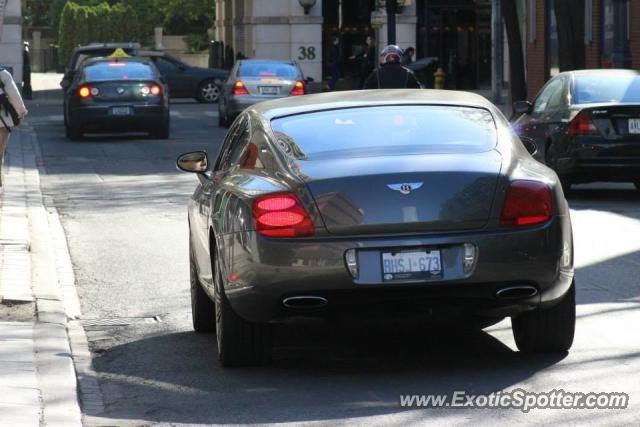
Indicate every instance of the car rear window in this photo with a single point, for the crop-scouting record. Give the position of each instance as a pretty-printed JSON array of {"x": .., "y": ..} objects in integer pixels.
[
  {"x": 614, "y": 87},
  {"x": 118, "y": 70},
  {"x": 267, "y": 69},
  {"x": 387, "y": 130}
]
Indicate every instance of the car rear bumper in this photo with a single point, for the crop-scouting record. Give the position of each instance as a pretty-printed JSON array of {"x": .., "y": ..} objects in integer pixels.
[
  {"x": 98, "y": 118},
  {"x": 266, "y": 271},
  {"x": 601, "y": 161},
  {"x": 236, "y": 104}
]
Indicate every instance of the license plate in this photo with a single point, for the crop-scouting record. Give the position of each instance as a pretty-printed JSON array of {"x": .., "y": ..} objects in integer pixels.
[
  {"x": 411, "y": 265},
  {"x": 269, "y": 90},
  {"x": 121, "y": 111},
  {"x": 634, "y": 126}
]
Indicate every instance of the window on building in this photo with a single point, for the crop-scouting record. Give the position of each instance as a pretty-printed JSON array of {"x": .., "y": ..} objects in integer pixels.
[
  {"x": 553, "y": 63},
  {"x": 615, "y": 34}
]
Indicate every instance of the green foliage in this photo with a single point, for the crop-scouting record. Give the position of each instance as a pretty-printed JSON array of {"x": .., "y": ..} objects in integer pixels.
[
  {"x": 101, "y": 23},
  {"x": 197, "y": 42}
]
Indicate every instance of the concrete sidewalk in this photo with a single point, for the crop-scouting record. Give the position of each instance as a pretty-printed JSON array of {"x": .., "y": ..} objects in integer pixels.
[{"x": 37, "y": 376}]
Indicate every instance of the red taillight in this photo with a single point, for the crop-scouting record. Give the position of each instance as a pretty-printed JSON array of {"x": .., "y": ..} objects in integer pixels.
[
  {"x": 239, "y": 88},
  {"x": 298, "y": 88},
  {"x": 527, "y": 203},
  {"x": 151, "y": 89},
  {"x": 84, "y": 91},
  {"x": 282, "y": 215},
  {"x": 582, "y": 124}
]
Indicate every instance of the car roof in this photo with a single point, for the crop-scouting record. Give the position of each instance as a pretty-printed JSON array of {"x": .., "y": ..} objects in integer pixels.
[
  {"x": 269, "y": 61},
  {"x": 103, "y": 59},
  {"x": 368, "y": 98},
  {"x": 600, "y": 71},
  {"x": 94, "y": 46}
]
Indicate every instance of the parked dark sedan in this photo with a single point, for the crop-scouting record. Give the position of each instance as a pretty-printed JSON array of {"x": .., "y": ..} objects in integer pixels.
[
  {"x": 116, "y": 95},
  {"x": 186, "y": 81},
  {"x": 376, "y": 203},
  {"x": 586, "y": 125}
]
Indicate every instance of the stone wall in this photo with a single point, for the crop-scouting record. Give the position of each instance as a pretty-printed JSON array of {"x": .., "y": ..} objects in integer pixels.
[{"x": 11, "y": 39}]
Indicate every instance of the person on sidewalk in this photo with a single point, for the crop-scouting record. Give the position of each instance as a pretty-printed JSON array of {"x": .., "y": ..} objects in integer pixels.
[
  {"x": 391, "y": 74},
  {"x": 335, "y": 62},
  {"x": 9, "y": 89}
]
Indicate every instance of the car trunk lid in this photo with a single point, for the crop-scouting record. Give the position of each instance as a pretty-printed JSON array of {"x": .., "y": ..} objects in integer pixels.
[
  {"x": 615, "y": 122},
  {"x": 398, "y": 194}
]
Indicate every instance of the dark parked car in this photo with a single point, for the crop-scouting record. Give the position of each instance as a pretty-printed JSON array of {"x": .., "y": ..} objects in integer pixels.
[
  {"x": 117, "y": 94},
  {"x": 341, "y": 203},
  {"x": 586, "y": 125},
  {"x": 186, "y": 81},
  {"x": 257, "y": 80}
]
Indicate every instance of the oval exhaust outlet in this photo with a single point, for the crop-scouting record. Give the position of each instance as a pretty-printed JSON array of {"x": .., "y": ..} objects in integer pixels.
[
  {"x": 305, "y": 302},
  {"x": 514, "y": 292}
]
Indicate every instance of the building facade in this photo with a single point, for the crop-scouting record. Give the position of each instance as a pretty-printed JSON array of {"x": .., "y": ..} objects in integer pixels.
[
  {"x": 458, "y": 33},
  {"x": 611, "y": 34},
  {"x": 11, "y": 37}
]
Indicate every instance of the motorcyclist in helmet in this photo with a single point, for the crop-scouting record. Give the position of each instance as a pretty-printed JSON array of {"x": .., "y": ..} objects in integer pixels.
[{"x": 391, "y": 74}]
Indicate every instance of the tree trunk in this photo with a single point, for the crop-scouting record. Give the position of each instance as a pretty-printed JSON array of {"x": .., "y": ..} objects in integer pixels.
[
  {"x": 518, "y": 83},
  {"x": 570, "y": 25}
]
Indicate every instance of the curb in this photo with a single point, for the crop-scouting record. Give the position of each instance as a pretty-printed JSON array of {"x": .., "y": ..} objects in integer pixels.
[{"x": 65, "y": 309}]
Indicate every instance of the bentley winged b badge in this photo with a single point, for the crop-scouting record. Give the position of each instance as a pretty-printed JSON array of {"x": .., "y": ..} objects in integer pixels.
[{"x": 405, "y": 188}]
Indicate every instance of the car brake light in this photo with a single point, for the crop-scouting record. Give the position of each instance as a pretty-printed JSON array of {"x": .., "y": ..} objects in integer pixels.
[
  {"x": 151, "y": 89},
  {"x": 84, "y": 91},
  {"x": 527, "y": 203},
  {"x": 282, "y": 215},
  {"x": 582, "y": 124},
  {"x": 298, "y": 88},
  {"x": 239, "y": 88}
]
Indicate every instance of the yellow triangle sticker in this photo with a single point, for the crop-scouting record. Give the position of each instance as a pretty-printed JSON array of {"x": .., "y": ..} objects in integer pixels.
[{"x": 119, "y": 53}]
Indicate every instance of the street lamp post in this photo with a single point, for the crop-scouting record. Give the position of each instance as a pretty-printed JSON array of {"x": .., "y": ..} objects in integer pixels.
[{"x": 391, "y": 21}]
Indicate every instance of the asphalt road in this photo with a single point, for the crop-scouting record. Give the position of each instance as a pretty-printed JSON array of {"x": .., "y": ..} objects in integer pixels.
[{"x": 123, "y": 207}]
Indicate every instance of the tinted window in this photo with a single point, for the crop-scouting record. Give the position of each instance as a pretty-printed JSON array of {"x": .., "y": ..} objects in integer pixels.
[
  {"x": 550, "y": 96},
  {"x": 164, "y": 66},
  {"x": 389, "y": 130},
  {"x": 617, "y": 87},
  {"x": 267, "y": 69},
  {"x": 122, "y": 70}
]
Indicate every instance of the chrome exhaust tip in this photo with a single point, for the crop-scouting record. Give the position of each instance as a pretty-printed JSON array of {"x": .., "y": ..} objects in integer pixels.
[
  {"x": 305, "y": 302},
  {"x": 516, "y": 292}
]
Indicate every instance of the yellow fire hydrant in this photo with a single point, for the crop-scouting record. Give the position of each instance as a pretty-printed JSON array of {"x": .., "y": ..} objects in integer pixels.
[{"x": 439, "y": 77}]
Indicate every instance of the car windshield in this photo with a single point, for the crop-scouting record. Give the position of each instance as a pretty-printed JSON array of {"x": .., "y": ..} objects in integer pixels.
[
  {"x": 267, "y": 69},
  {"x": 118, "y": 70},
  {"x": 618, "y": 87},
  {"x": 387, "y": 130}
]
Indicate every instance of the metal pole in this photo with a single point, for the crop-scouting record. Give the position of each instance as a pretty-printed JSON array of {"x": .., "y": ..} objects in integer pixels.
[
  {"x": 497, "y": 51},
  {"x": 391, "y": 21}
]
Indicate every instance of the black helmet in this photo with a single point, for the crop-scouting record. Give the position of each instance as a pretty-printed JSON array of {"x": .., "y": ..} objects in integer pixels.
[{"x": 391, "y": 53}]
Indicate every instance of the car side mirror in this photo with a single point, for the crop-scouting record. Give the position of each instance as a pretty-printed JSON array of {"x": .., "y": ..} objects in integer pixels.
[
  {"x": 522, "y": 107},
  {"x": 309, "y": 80},
  {"x": 529, "y": 144},
  {"x": 163, "y": 80},
  {"x": 182, "y": 68},
  {"x": 194, "y": 162}
]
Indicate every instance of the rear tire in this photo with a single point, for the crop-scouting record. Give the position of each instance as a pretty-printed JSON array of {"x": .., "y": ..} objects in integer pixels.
[
  {"x": 548, "y": 330},
  {"x": 565, "y": 180},
  {"x": 163, "y": 131},
  {"x": 72, "y": 130},
  {"x": 202, "y": 307},
  {"x": 222, "y": 118},
  {"x": 240, "y": 343}
]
